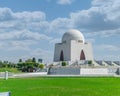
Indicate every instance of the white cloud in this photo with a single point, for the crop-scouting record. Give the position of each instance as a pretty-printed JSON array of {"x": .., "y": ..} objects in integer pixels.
[
  {"x": 44, "y": 54},
  {"x": 60, "y": 25},
  {"x": 6, "y": 14},
  {"x": 98, "y": 19},
  {"x": 21, "y": 20},
  {"x": 41, "y": 27},
  {"x": 30, "y": 16},
  {"x": 101, "y": 2},
  {"x": 40, "y": 51},
  {"x": 17, "y": 45},
  {"x": 64, "y": 2},
  {"x": 104, "y": 33},
  {"x": 93, "y": 19},
  {"x": 23, "y": 35},
  {"x": 55, "y": 41},
  {"x": 108, "y": 57},
  {"x": 102, "y": 19},
  {"x": 110, "y": 8},
  {"x": 90, "y": 40},
  {"x": 108, "y": 47}
]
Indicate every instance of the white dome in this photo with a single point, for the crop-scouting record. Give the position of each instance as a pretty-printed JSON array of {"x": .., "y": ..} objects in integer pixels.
[{"x": 73, "y": 35}]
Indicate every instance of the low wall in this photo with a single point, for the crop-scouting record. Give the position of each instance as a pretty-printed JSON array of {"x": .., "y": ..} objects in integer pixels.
[
  {"x": 68, "y": 71},
  {"x": 64, "y": 71},
  {"x": 82, "y": 71},
  {"x": 94, "y": 71}
]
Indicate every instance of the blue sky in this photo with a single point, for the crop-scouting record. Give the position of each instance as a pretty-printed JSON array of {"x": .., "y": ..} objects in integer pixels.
[{"x": 30, "y": 28}]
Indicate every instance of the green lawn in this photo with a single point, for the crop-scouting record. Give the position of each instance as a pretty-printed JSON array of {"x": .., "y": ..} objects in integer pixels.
[{"x": 43, "y": 86}]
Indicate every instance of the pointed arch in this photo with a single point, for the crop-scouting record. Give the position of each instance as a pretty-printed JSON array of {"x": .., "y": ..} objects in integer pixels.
[
  {"x": 61, "y": 56},
  {"x": 82, "y": 55}
]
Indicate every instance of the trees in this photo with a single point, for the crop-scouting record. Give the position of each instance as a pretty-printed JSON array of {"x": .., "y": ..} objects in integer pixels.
[
  {"x": 6, "y": 64},
  {"x": 29, "y": 65}
]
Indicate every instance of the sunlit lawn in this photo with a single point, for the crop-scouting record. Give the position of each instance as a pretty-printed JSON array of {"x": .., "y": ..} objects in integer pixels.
[{"x": 44, "y": 86}]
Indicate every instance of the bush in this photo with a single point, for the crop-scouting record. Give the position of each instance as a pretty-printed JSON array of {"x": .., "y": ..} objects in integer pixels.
[
  {"x": 41, "y": 66},
  {"x": 64, "y": 63},
  {"x": 90, "y": 62}
]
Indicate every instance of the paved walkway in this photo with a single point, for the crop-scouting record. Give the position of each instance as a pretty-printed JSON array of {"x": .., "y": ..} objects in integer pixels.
[{"x": 44, "y": 74}]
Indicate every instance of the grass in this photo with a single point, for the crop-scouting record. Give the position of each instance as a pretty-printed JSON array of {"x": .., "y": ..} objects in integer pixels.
[
  {"x": 44, "y": 86},
  {"x": 13, "y": 70}
]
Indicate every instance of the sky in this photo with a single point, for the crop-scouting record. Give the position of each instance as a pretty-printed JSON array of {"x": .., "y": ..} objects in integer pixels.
[{"x": 30, "y": 28}]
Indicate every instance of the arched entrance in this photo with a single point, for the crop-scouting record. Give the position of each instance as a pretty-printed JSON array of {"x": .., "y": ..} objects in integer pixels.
[
  {"x": 61, "y": 56},
  {"x": 82, "y": 55}
]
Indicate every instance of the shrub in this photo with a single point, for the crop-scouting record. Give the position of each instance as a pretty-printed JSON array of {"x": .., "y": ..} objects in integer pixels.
[
  {"x": 41, "y": 66},
  {"x": 90, "y": 62},
  {"x": 64, "y": 63}
]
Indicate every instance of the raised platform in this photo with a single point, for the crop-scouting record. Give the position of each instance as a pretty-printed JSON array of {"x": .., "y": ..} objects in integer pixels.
[{"x": 83, "y": 71}]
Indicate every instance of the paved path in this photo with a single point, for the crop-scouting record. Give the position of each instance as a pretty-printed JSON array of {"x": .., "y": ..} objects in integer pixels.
[{"x": 44, "y": 74}]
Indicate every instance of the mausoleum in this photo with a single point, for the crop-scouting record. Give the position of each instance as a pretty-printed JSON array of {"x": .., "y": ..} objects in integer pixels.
[{"x": 73, "y": 47}]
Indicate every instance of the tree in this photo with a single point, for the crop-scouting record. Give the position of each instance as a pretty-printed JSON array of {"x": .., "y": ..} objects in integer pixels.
[
  {"x": 40, "y": 60},
  {"x": 20, "y": 60},
  {"x": 41, "y": 66},
  {"x": 30, "y": 68},
  {"x": 1, "y": 64},
  {"x": 34, "y": 60},
  {"x": 36, "y": 64},
  {"x": 28, "y": 60},
  {"x": 20, "y": 65},
  {"x": 4, "y": 64}
]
